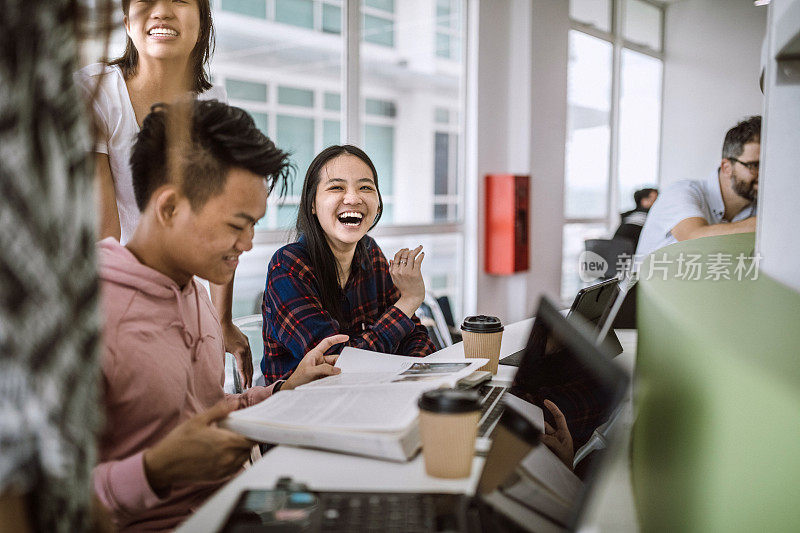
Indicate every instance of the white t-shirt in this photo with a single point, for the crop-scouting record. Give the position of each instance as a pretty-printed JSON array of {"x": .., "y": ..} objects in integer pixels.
[
  {"x": 114, "y": 110},
  {"x": 679, "y": 201}
]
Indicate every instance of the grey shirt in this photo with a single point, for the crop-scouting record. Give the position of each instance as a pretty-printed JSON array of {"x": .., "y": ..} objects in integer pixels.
[{"x": 679, "y": 201}]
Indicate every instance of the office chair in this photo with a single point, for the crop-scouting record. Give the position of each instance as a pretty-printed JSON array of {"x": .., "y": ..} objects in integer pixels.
[
  {"x": 611, "y": 250},
  {"x": 599, "y": 438},
  {"x": 431, "y": 315}
]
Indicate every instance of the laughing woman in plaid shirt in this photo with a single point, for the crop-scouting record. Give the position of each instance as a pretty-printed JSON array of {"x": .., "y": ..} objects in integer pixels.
[{"x": 335, "y": 279}]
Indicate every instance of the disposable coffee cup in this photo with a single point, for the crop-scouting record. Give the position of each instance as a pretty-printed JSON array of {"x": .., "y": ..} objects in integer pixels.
[
  {"x": 448, "y": 424},
  {"x": 513, "y": 438},
  {"x": 482, "y": 337}
]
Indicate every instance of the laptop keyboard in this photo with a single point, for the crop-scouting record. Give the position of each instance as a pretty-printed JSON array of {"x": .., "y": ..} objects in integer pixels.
[
  {"x": 385, "y": 513},
  {"x": 491, "y": 408}
]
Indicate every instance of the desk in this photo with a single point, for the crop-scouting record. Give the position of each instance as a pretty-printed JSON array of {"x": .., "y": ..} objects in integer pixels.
[{"x": 323, "y": 470}]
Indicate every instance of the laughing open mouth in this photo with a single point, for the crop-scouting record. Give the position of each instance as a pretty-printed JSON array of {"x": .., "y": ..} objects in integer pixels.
[
  {"x": 350, "y": 218},
  {"x": 162, "y": 31}
]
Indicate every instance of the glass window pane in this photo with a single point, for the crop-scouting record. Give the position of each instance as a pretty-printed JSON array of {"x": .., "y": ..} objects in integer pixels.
[
  {"x": 441, "y": 163},
  {"x": 596, "y": 13},
  {"x": 261, "y": 120},
  {"x": 295, "y": 12},
  {"x": 588, "y": 126},
  {"x": 443, "y": 13},
  {"x": 296, "y": 135},
  {"x": 331, "y": 19},
  {"x": 333, "y": 101},
  {"x": 643, "y": 24},
  {"x": 287, "y": 216},
  {"x": 442, "y": 268},
  {"x": 421, "y": 129},
  {"x": 277, "y": 56},
  {"x": 379, "y": 145},
  {"x": 383, "y": 5},
  {"x": 443, "y": 45},
  {"x": 574, "y": 237},
  {"x": 246, "y": 90},
  {"x": 331, "y": 131},
  {"x": 378, "y": 30},
  {"x": 640, "y": 125},
  {"x": 388, "y": 212},
  {"x": 252, "y": 8},
  {"x": 251, "y": 276},
  {"x": 382, "y": 108},
  {"x": 293, "y": 96}
]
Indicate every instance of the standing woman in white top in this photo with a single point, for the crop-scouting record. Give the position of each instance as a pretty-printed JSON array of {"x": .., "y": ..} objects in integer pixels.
[{"x": 168, "y": 46}]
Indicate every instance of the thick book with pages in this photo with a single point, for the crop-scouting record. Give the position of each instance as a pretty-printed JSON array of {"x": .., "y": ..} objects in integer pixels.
[{"x": 369, "y": 409}]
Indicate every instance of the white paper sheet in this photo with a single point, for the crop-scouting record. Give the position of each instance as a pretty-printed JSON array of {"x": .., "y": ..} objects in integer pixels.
[
  {"x": 363, "y": 368},
  {"x": 365, "y": 409}
]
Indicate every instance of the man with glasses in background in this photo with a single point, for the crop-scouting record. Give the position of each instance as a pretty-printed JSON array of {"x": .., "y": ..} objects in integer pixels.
[{"x": 722, "y": 204}]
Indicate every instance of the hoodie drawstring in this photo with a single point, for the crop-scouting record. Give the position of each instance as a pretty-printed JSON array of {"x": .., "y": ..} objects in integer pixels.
[{"x": 188, "y": 338}]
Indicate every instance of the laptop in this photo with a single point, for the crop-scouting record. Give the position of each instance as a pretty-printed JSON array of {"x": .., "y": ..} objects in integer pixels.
[
  {"x": 562, "y": 364},
  {"x": 601, "y": 303},
  {"x": 592, "y": 303}
]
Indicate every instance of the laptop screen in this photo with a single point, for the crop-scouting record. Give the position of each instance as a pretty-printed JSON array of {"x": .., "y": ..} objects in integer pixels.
[
  {"x": 562, "y": 364},
  {"x": 594, "y": 301}
]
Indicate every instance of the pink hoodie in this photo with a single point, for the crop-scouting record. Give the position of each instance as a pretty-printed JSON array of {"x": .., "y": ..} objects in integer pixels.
[{"x": 162, "y": 364}]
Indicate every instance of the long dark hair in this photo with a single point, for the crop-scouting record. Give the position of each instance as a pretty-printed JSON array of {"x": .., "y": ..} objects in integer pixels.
[
  {"x": 324, "y": 263},
  {"x": 201, "y": 54}
]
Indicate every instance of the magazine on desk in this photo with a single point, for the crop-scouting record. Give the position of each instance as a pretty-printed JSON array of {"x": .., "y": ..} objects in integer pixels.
[{"x": 369, "y": 409}]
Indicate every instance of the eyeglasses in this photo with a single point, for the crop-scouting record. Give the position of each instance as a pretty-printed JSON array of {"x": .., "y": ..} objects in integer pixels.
[{"x": 752, "y": 166}]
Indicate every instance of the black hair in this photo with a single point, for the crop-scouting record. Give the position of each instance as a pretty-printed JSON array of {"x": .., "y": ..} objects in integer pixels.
[
  {"x": 641, "y": 194},
  {"x": 200, "y": 56},
  {"x": 220, "y": 137},
  {"x": 746, "y": 131},
  {"x": 324, "y": 263}
]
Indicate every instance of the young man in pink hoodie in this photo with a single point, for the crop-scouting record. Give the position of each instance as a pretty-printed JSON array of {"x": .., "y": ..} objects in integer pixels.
[{"x": 201, "y": 174}]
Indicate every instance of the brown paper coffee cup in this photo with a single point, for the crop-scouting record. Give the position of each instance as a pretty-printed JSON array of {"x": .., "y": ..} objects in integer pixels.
[
  {"x": 448, "y": 442},
  {"x": 483, "y": 345}
]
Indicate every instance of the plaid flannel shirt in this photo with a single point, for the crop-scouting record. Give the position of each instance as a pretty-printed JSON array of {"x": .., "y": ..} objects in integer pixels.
[{"x": 295, "y": 321}]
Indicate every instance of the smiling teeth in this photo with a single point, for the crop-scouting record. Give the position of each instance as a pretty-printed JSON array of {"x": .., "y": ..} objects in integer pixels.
[
  {"x": 162, "y": 31},
  {"x": 350, "y": 218}
]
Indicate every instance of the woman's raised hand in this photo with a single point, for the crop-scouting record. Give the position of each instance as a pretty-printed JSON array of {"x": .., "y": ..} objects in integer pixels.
[{"x": 406, "y": 272}]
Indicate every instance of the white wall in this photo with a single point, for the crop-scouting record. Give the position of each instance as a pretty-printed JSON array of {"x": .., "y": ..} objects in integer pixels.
[
  {"x": 521, "y": 128},
  {"x": 711, "y": 71},
  {"x": 778, "y": 240}
]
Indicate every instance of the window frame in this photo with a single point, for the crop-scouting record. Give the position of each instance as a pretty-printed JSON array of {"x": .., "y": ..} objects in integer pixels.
[
  {"x": 618, "y": 42},
  {"x": 352, "y": 114}
]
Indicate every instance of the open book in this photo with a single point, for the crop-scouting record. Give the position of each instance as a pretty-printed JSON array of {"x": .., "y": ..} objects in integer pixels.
[{"x": 369, "y": 409}]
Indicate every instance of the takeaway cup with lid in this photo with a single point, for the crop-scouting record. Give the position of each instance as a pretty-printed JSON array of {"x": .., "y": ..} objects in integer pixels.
[
  {"x": 482, "y": 337},
  {"x": 448, "y": 423}
]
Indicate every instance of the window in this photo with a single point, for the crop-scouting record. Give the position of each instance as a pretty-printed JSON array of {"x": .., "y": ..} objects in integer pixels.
[
  {"x": 283, "y": 65},
  {"x": 612, "y": 141},
  {"x": 639, "y": 125},
  {"x": 588, "y": 126},
  {"x": 448, "y": 28},
  {"x": 378, "y": 22},
  {"x": 593, "y": 13}
]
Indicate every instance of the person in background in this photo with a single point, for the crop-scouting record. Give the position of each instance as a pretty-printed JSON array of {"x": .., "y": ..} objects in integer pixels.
[
  {"x": 167, "y": 49},
  {"x": 632, "y": 221},
  {"x": 49, "y": 330},
  {"x": 335, "y": 279},
  {"x": 722, "y": 204},
  {"x": 201, "y": 175}
]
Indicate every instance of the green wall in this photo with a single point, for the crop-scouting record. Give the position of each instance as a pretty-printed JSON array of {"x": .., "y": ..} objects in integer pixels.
[{"x": 716, "y": 442}]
